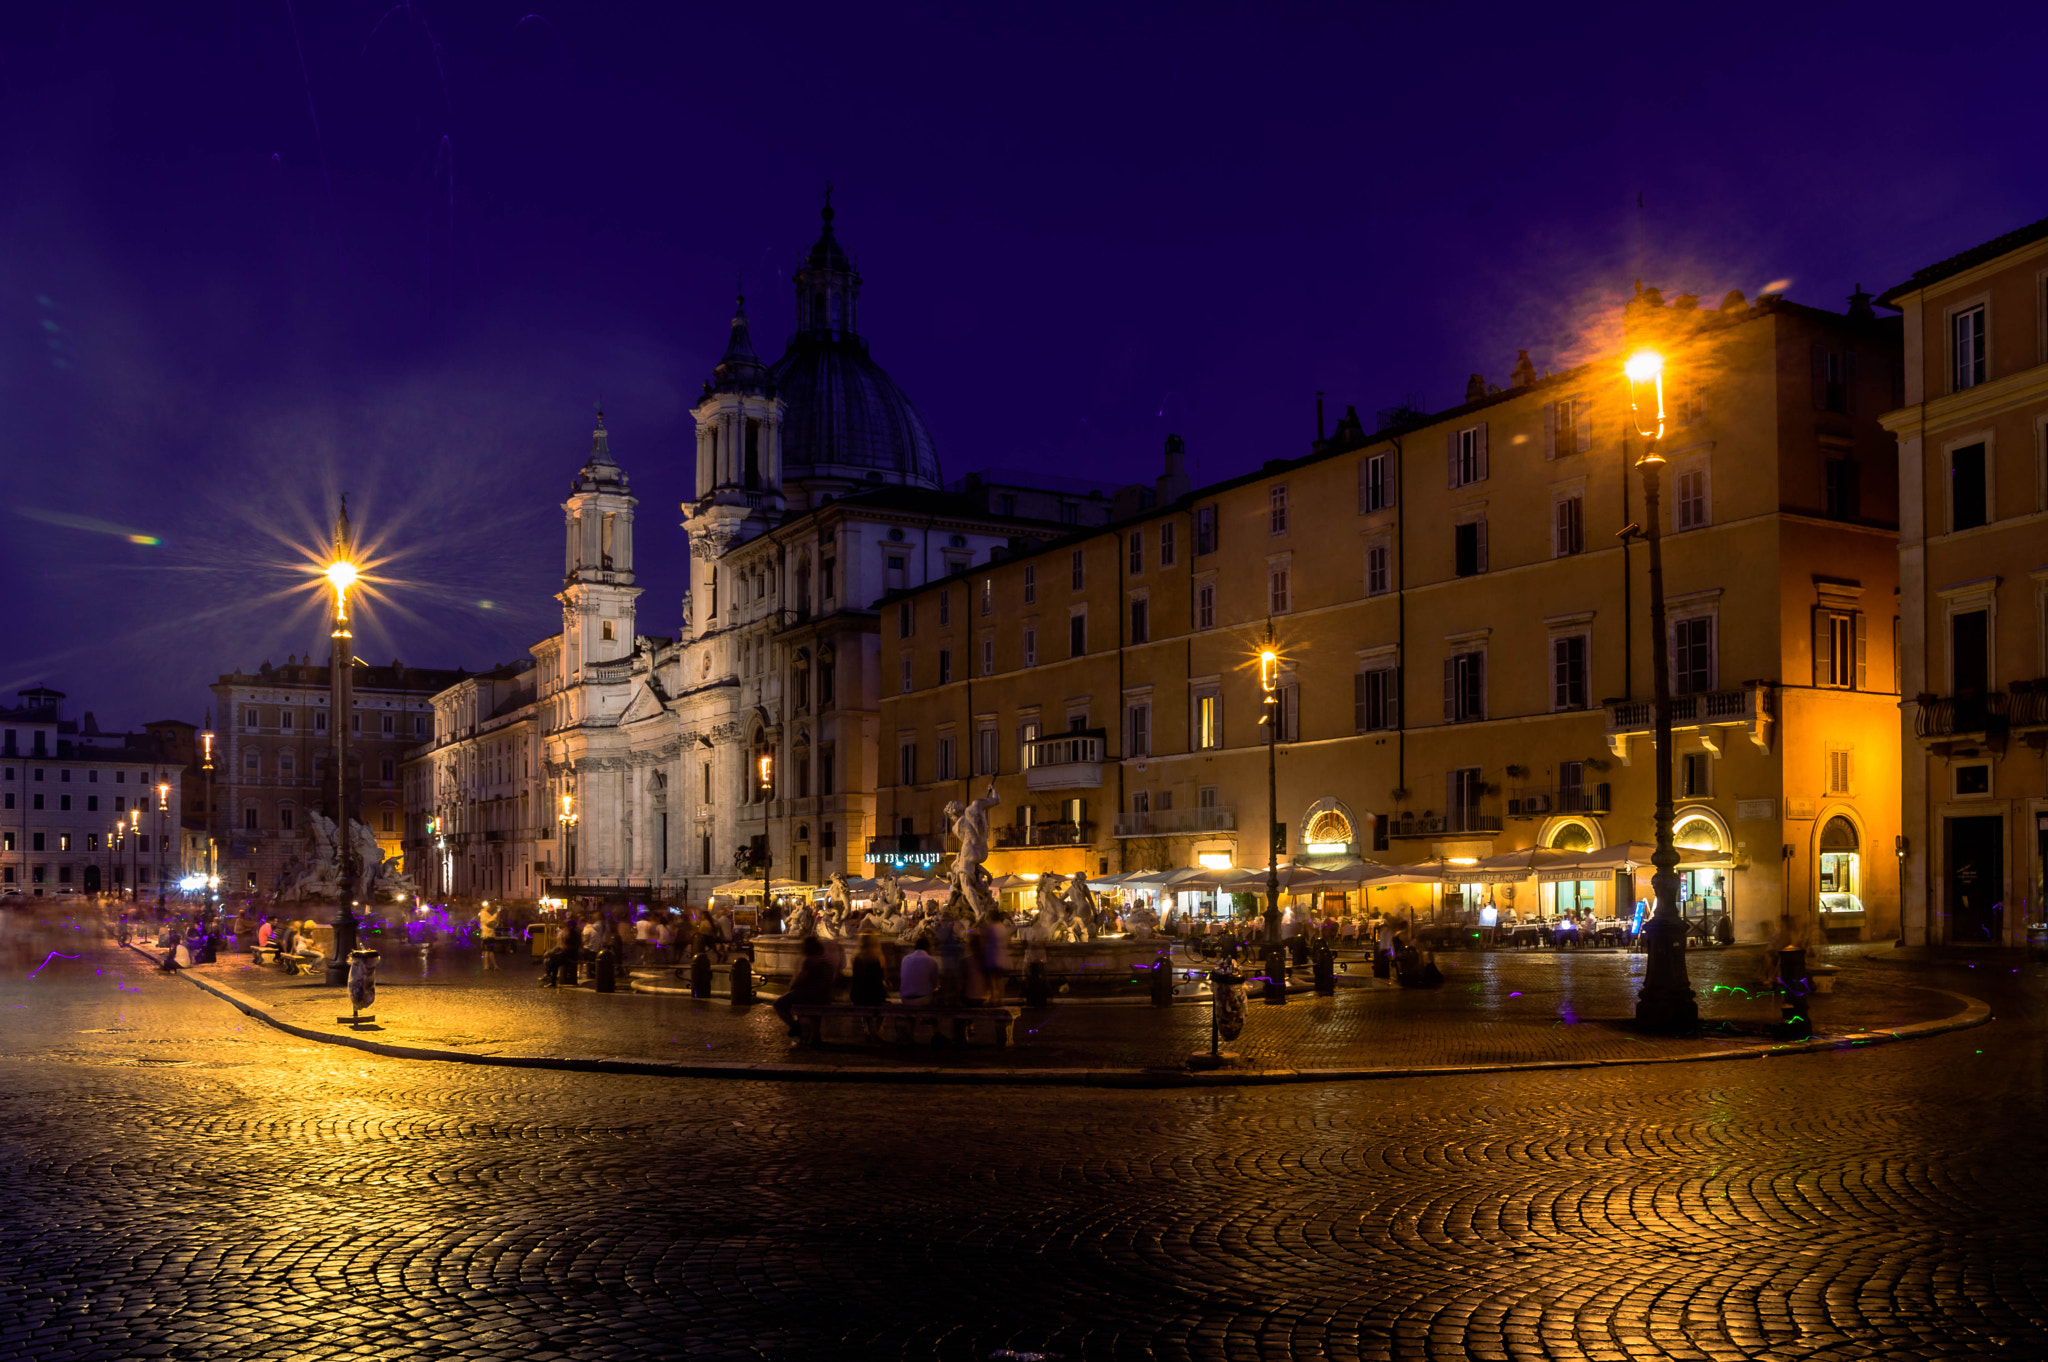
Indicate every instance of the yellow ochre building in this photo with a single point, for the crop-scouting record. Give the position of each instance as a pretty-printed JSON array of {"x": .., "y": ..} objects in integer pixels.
[
  {"x": 1973, "y": 570},
  {"x": 1465, "y": 659}
]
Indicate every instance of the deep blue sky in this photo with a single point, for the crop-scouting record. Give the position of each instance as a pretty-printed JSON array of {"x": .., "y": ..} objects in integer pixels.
[{"x": 1081, "y": 227}]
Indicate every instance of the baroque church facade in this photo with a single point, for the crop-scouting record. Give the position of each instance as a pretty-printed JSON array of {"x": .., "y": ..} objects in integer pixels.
[{"x": 632, "y": 765}]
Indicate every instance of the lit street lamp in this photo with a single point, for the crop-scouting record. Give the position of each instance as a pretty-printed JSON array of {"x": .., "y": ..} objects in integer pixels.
[
  {"x": 341, "y": 574},
  {"x": 135, "y": 854},
  {"x": 163, "y": 823},
  {"x": 1269, "y": 687},
  {"x": 1666, "y": 1002}
]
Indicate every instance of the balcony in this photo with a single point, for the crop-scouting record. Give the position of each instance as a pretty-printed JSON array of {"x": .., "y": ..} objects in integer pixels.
[
  {"x": 1176, "y": 822},
  {"x": 1045, "y": 835},
  {"x": 1066, "y": 761},
  {"x": 1541, "y": 801},
  {"x": 1709, "y": 713},
  {"x": 1428, "y": 824},
  {"x": 2029, "y": 705}
]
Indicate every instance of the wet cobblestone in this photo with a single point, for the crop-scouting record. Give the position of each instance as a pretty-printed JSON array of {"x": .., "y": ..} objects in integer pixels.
[{"x": 187, "y": 1182}]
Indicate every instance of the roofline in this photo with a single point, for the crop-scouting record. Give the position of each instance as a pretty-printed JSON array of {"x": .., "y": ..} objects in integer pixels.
[{"x": 1963, "y": 261}]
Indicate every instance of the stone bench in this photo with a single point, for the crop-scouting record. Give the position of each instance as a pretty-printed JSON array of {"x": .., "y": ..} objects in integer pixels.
[
  {"x": 300, "y": 964},
  {"x": 810, "y": 1019}
]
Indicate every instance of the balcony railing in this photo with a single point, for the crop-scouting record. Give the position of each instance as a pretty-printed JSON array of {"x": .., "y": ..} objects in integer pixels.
[
  {"x": 918, "y": 848},
  {"x": 2029, "y": 704},
  {"x": 1946, "y": 716},
  {"x": 1170, "y": 822},
  {"x": 1749, "y": 707},
  {"x": 1065, "y": 761},
  {"x": 1541, "y": 801},
  {"x": 1045, "y": 834},
  {"x": 1427, "y": 824}
]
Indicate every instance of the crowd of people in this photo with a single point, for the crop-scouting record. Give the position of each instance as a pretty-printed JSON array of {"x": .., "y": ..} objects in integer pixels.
[{"x": 955, "y": 964}]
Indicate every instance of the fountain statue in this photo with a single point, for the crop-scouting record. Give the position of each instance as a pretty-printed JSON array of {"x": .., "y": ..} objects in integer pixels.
[
  {"x": 1080, "y": 922},
  {"x": 969, "y": 824}
]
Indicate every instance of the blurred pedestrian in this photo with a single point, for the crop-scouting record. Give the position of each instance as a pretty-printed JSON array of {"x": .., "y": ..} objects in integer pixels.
[
  {"x": 917, "y": 978},
  {"x": 812, "y": 986},
  {"x": 870, "y": 986},
  {"x": 995, "y": 938},
  {"x": 487, "y": 924}
]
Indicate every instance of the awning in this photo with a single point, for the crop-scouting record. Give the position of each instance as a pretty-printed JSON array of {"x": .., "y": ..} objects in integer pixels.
[
  {"x": 1510, "y": 866},
  {"x": 1382, "y": 876},
  {"x": 1630, "y": 856},
  {"x": 752, "y": 888}
]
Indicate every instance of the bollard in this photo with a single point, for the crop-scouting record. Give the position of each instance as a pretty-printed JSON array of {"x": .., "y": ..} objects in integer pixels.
[
  {"x": 1324, "y": 961},
  {"x": 1797, "y": 1005},
  {"x": 700, "y": 975},
  {"x": 1276, "y": 975},
  {"x": 426, "y": 958},
  {"x": 1162, "y": 982},
  {"x": 608, "y": 970},
  {"x": 742, "y": 981}
]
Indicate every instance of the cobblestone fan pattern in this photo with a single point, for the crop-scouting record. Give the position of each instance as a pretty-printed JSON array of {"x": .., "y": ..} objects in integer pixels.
[
  {"x": 186, "y": 1182},
  {"x": 1496, "y": 1008}
]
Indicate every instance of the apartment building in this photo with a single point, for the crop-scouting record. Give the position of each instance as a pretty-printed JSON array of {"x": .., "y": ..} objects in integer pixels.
[
  {"x": 273, "y": 758},
  {"x": 1973, "y": 601},
  {"x": 81, "y": 811},
  {"x": 1464, "y": 659},
  {"x": 477, "y": 821}
]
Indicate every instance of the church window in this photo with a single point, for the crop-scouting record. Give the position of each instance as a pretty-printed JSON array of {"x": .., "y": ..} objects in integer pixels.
[
  {"x": 607, "y": 631},
  {"x": 753, "y": 465},
  {"x": 828, "y": 572},
  {"x": 825, "y": 679},
  {"x": 606, "y": 528}
]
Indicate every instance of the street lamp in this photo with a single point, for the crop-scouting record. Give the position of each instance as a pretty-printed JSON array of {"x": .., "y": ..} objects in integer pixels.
[
  {"x": 567, "y": 818},
  {"x": 135, "y": 853},
  {"x": 163, "y": 821},
  {"x": 341, "y": 574},
  {"x": 206, "y": 824},
  {"x": 1269, "y": 688},
  {"x": 1666, "y": 1002}
]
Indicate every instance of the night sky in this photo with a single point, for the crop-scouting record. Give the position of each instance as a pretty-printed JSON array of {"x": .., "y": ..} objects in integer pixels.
[{"x": 254, "y": 254}]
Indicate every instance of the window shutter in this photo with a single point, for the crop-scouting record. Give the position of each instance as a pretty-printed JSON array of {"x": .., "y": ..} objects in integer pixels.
[
  {"x": 1358, "y": 701},
  {"x": 1450, "y": 690},
  {"x": 1477, "y": 674},
  {"x": 1820, "y": 378},
  {"x": 1482, "y": 546},
  {"x": 1823, "y": 648},
  {"x": 1862, "y": 673},
  {"x": 1849, "y": 381},
  {"x": 1480, "y": 461},
  {"x": 1388, "y": 465},
  {"x": 1451, "y": 455},
  {"x": 1550, "y": 429},
  {"x": 1364, "y": 477},
  {"x": 1582, "y": 423}
]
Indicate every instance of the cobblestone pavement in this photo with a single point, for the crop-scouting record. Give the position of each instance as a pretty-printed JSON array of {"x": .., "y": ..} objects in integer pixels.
[
  {"x": 1496, "y": 1008},
  {"x": 186, "y": 1182}
]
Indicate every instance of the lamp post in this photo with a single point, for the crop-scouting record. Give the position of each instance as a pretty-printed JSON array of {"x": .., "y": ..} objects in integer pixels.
[
  {"x": 206, "y": 823},
  {"x": 1666, "y": 1002},
  {"x": 567, "y": 818},
  {"x": 1269, "y": 689},
  {"x": 163, "y": 823},
  {"x": 341, "y": 574},
  {"x": 135, "y": 854}
]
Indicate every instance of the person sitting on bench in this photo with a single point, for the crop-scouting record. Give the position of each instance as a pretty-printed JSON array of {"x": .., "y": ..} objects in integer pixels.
[{"x": 812, "y": 986}]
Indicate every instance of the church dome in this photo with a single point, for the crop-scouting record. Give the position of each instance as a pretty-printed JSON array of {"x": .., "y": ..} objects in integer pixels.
[{"x": 844, "y": 416}]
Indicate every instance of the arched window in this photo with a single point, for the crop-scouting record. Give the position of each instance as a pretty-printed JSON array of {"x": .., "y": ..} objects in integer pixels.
[
  {"x": 1841, "y": 874},
  {"x": 1572, "y": 837},
  {"x": 1697, "y": 834}
]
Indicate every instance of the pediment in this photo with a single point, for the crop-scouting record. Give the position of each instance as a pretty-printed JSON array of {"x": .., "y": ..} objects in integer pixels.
[{"x": 645, "y": 704}]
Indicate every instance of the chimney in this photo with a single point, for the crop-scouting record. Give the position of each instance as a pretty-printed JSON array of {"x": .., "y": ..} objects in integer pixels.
[
  {"x": 1859, "y": 305},
  {"x": 1475, "y": 388},
  {"x": 1173, "y": 484},
  {"x": 1525, "y": 372}
]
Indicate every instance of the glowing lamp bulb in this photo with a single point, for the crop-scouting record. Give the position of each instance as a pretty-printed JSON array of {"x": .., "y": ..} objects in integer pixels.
[{"x": 1644, "y": 366}]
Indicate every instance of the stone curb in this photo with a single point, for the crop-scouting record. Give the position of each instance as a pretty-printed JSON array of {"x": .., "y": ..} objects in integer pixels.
[{"x": 1974, "y": 1013}]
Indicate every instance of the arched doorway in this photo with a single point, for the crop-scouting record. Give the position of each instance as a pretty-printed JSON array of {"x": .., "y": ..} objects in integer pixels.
[
  {"x": 1840, "y": 885},
  {"x": 1703, "y": 864}
]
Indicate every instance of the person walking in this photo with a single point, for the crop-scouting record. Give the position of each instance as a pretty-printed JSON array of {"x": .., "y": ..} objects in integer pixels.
[
  {"x": 572, "y": 946},
  {"x": 995, "y": 939},
  {"x": 487, "y": 923}
]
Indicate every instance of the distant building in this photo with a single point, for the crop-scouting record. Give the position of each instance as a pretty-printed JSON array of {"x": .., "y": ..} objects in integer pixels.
[
  {"x": 64, "y": 786},
  {"x": 477, "y": 822},
  {"x": 272, "y": 760},
  {"x": 1973, "y": 590}
]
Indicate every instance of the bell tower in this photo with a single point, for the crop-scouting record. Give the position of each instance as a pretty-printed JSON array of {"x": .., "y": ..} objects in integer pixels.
[
  {"x": 739, "y": 465},
  {"x": 597, "y": 571}
]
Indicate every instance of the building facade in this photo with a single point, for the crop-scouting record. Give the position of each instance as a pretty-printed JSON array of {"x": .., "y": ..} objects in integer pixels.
[
  {"x": 1464, "y": 666},
  {"x": 478, "y": 826},
  {"x": 753, "y": 726},
  {"x": 84, "y": 812},
  {"x": 273, "y": 760},
  {"x": 1973, "y": 590}
]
